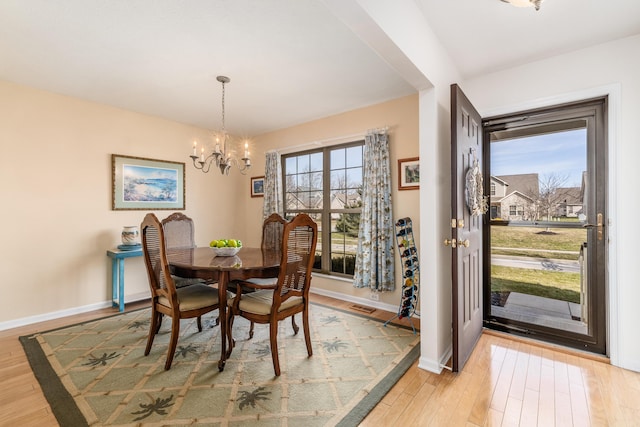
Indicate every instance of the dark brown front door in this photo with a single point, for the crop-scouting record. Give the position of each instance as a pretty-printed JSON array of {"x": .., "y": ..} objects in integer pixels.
[{"x": 466, "y": 229}]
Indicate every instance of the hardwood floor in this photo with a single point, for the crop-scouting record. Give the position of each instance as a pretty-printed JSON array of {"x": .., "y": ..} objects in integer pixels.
[{"x": 506, "y": 382}]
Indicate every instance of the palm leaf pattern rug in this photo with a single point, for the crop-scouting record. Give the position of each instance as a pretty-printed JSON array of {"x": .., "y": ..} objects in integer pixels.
[{"x": 95, "y": 373}]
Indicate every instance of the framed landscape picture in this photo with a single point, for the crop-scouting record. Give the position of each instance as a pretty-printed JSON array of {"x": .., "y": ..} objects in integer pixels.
[
  {"x": 139, "y": 183},
  {"x": 257, "y": 186},
  {"x": 409, "y": 173}
]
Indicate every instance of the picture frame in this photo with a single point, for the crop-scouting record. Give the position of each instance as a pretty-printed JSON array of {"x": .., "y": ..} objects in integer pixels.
[
  {"x": 257, "y": 186},
  {"x": 139, "y": 183},
  {"x": 409, "y": 173}
]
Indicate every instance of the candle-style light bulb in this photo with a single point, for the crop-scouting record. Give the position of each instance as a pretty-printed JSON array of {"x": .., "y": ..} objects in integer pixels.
[
  {"x": 246, "y": 150},
  {"x": 194, "y": 148},
  {"x": 202, "y": 155}
]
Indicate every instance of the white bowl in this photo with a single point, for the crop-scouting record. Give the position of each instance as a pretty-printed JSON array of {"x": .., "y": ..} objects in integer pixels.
[{"x": 225, "y": 251}]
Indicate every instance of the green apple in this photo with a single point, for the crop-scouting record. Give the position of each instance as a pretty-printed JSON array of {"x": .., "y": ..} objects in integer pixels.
[
  {"x": 220, "y": 244},
  {"x": 232, "y": 243},
  {"x": 213, "y": 243}
]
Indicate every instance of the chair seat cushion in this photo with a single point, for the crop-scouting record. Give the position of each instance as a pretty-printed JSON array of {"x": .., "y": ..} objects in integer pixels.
[
  {"x": 263, "y": 282},
  {"x": 181, "y": 282},
  {"x": 260, "y": 302},
  {"x": 194, "y": 296}
]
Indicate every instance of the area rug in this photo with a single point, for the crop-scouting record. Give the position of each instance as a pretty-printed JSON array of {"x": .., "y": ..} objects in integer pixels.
[{"x": 95, "y": 373}]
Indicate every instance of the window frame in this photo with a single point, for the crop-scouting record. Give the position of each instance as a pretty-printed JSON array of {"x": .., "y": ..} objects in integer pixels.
[{"x": 326, "y": 211}]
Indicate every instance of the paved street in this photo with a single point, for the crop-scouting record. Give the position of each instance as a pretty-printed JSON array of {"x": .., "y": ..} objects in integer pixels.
[{"x": 536, "y": 263}]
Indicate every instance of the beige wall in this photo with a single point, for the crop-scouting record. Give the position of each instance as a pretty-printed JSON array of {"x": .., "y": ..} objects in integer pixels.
[
  {"x": 401, "y": 116},
  {"x": 55, "y": 184}
]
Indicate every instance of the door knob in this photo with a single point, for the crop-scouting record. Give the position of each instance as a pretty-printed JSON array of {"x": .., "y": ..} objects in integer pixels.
[
  {"x": 451, "y": 242},
  {"x": 464, "y": 243}
]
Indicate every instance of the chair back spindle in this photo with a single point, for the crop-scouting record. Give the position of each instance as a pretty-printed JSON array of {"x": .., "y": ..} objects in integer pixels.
[
  {"x": 272, "y": 229},
  {"x": 178, "y": 231},
  {"x": 298, "y": 251},
  {"x": 154, "y": 252}
]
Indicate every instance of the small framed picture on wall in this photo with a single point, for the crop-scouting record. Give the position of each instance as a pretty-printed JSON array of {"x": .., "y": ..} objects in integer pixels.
[
  {"x": 257, "y": 186},
  {"x": 409, "y": 173}
]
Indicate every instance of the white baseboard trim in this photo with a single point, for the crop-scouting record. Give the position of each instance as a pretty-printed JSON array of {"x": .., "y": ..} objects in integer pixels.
[
  {"x": 436, "y": 366},
  {"x": 357, "y": 300},
  {"x": 144, "y": 295},
  {"x": 429, "y": 365},
  {"x": 52, "y": 315},
  {"x": 68, "y": 312}
]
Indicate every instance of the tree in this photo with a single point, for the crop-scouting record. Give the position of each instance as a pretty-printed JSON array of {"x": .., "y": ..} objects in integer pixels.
[
  {"x": 552, "y": 194},
  {"x": 349, "y": 223}
]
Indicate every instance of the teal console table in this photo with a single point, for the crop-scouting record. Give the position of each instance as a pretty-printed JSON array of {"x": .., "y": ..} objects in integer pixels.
[{"x": 117, "y": 274}]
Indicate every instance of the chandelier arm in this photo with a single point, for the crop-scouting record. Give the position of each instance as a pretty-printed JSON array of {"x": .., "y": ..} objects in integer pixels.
[
  {"x": 245, "y": 166},
  {"x": 200, "y": 164}
]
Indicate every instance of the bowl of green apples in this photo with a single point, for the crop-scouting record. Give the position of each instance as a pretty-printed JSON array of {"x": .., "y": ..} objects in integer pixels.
[{"x": 225, "y": 247}]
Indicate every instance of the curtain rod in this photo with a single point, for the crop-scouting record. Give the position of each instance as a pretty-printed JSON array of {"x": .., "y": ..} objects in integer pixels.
[{"x": 330, "y": 141}]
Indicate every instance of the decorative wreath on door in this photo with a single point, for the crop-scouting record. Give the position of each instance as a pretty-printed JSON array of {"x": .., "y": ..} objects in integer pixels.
[{"x": 474, "y": 190}]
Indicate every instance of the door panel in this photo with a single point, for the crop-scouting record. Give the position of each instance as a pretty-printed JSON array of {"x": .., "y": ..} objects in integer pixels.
[
  {"x": 545, "y": 244},
  {"x": 466, "y": 230}
]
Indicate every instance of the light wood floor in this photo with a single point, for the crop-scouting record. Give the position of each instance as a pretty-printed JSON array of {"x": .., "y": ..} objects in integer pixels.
[{"x": 506, "y": 382}]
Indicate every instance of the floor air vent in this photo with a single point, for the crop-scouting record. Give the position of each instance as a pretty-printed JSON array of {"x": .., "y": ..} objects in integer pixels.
[{"x": 362, "y": 308}]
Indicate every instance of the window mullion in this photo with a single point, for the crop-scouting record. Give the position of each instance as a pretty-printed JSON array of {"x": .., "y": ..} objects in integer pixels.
[{"x": 326, "y": 214}]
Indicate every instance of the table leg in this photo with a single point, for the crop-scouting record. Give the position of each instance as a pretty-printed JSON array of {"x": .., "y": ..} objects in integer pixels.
[
  {"x": 114, "y": 281},
  {"x": 223, "y": 279},
  {"x": 121, "y": 285}
]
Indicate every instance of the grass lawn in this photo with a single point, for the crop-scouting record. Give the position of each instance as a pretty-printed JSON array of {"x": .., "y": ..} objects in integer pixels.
[
  {"x": 548, "y": 284},
  {"x": 563, "y": 243},
  {"x": 519, "y": 240}
]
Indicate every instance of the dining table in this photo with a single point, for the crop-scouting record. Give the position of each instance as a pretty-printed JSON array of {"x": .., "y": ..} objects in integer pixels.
[{"x": 202, "y": 262}]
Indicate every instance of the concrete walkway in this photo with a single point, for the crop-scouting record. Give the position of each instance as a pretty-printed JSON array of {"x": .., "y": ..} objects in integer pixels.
[{"x": 542, "y": 311}]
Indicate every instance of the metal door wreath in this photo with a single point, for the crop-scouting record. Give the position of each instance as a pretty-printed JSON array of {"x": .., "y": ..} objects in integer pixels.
[{"x": 474, "y": 190}]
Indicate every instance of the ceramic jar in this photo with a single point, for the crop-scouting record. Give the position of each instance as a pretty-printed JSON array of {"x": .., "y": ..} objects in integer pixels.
[{"x": 130, "y": 235}]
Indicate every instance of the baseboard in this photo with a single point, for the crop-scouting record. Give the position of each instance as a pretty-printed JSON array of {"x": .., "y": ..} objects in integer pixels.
[
  {"x": 429, "y": 365},
  {"x": 357, "y": 300},
  {"x": 52, "y": 315},
  {"x": 436, "y": 366},
  {"x": 145, "y": 295},
  {"x": 68, "y": 312}
]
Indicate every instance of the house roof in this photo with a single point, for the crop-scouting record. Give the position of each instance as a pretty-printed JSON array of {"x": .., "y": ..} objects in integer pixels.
[
  {"x": 527, "y": 184},
  {"x": 570, "y": 195}
]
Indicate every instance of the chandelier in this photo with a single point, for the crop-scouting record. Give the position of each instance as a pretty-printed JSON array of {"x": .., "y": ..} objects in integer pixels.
[
  {"x": 221, "y": 155},
  {"x": 525, "y": 3}
]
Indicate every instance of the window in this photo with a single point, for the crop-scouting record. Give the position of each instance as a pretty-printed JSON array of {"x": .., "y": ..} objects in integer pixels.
[
  {"x": 326, "y": 184},
  {"x": 512, "y": 210},
  {"x": 493, "y": 188}
]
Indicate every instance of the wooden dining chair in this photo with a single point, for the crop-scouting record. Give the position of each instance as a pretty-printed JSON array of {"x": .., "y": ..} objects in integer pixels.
[
  {"x": 177, "y": 303},
  {"x": 179, "y": 232},
  {"x": 272, "y": 229},
  {"x": 289, "y": 295}
]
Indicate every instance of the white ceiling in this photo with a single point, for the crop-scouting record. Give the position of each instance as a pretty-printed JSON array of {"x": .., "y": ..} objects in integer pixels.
[{"x": 290, "y": 61}]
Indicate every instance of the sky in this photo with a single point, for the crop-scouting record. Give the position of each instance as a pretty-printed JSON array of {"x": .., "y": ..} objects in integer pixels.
[{"x": 562, "y": 154}]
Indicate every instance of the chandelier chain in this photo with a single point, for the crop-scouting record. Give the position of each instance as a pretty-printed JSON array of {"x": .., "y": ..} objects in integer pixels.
[{"x": 224, "y": 130}]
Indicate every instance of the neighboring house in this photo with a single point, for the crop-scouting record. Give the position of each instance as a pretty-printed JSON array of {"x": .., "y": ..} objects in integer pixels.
[
  {"x": 570, "y": 205},
  {"x": 513, "y": 197}
]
